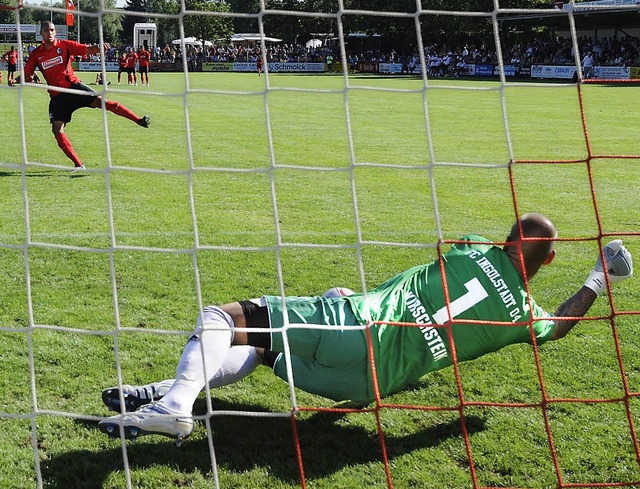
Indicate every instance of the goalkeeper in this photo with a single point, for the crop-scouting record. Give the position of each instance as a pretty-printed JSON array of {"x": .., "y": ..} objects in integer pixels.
[
  {"x": 53, "y": 57},
  {"x": 484, "y": 283}
]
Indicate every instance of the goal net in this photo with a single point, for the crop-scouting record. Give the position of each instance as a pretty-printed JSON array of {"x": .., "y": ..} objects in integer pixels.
[{"x": 370, "y": 141}]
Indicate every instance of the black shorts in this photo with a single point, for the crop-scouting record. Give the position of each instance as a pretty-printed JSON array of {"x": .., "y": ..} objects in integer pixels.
[
  {"x": 131, "y": 71},
  {"x": 11, "y": 68},
  {"x": 257, "y": 317},
  {"x": 143, "y": 69},
  {"x": 63, "y": 105}
]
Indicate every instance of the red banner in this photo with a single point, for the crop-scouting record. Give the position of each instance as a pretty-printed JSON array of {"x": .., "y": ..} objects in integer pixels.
[{"x": 70, "y": 7}]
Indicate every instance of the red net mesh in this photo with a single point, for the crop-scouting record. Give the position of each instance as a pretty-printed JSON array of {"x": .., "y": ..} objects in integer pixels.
[{"x": 547, "y": 403}]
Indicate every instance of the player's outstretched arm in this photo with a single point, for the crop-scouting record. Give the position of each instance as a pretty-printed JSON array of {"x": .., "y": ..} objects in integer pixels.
[
  {"x": 619, "y": 266},
  {"x": 95, "y": 49}
]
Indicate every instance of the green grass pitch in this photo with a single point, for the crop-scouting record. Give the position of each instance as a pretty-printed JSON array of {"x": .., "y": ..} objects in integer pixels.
[{"x": 82, "y": 255}]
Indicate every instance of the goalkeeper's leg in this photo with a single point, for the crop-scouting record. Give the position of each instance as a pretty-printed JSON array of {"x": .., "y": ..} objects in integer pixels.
[
  {"x": 203, "y": 355},
  {"x": 240, "y": 361}
]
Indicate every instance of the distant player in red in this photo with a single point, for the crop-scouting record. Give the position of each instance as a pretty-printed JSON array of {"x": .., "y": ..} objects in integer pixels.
[
  {"x": 122, "y": 65},
  {"x": 132, "y": 59},
  {"x": 12, "y": 62},
  {"x": 53, "y": 58},
  {"x": 144, "y": 57},
  {"x": 259, "y": 64}
]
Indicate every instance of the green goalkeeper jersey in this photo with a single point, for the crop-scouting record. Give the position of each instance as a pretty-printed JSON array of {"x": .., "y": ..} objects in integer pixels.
[{"x": 483, "y": 285}]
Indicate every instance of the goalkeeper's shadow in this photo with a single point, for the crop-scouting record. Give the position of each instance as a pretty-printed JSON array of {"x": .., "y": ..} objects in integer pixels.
[
  {"x": 242, "y": 443},
  {"x": 329, "y": 442}
]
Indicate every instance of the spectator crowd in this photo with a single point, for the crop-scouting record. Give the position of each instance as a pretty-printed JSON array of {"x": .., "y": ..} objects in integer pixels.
[{"x": 441, "y": 59}]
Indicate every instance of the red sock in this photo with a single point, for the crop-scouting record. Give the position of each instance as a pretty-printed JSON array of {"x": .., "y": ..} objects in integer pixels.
[
  {"x": 65, "y": 146},
  {"x": 121, "y": 110}
]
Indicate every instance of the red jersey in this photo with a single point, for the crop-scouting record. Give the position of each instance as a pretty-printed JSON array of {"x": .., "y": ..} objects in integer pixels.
[
  {"x": 131, "y": 60},
  {"x": 12, "y": 57},
  {"x": 55, "y": 63},
  {"x": 143, "y": 57},
  {"x": 122, "y": 61}
]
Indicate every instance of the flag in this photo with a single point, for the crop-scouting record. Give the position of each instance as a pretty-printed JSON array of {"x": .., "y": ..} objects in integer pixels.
[{"x": 70, "y": 7}]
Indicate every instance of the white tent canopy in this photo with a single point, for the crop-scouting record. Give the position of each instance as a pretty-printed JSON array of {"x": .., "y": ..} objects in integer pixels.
[
  {"x": 252, "y": 37},
  {"x": 191, "y": 41},
  {"x": 313, "y": 43}
]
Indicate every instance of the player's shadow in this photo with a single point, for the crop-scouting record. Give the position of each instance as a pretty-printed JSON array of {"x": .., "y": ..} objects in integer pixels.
[
  {"x": 42, "y": 174},
  {"x": 243, "y": 443}
]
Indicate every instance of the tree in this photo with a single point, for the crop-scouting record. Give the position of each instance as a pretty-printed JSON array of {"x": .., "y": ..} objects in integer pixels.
[
  {"x": 8, "y": 16},
  {"x": 295, "y": 28},
  {"x": 167, "y": 28},
  {"x": 41, "y": 15},
  {"x": 243, "y": 24},
  {"x": 207, "y": 27},
  {"x": 111, "y": 23},
  {"x": 130, "y": 20}
]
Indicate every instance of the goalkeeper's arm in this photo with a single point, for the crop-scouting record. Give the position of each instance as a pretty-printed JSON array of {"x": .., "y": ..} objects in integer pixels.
[{"x": 619, "y": 267}]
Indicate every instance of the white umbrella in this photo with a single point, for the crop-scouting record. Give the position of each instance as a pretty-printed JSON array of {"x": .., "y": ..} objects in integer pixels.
[
  {"x": 313, "y": 43},
  {"x": 252, "y": 37},
  {"x": 191, "y": 41}
]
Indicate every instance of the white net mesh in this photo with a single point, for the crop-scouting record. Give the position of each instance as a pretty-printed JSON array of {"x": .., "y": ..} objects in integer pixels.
[{"x": 289, "y": 184}]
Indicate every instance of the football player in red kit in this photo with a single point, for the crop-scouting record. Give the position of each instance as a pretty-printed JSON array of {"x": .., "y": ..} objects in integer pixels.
[
  {"x": 12, "y": 62},
  {"x": 143, "y": 61},
  {"x": 122, "y": 65},
  {"x": 53, "y": 58},
  {"x": 130, "y": 67}
]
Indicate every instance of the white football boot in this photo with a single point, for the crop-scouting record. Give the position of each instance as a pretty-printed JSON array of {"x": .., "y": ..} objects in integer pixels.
[{"x": 151, "y": 419}]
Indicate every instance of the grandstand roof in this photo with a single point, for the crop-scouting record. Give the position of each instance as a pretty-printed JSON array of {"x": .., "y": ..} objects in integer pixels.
[{"x": 600, "y": 13}]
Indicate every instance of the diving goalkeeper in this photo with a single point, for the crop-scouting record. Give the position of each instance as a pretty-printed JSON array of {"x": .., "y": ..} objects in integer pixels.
[{"x": 484, "y": 283}]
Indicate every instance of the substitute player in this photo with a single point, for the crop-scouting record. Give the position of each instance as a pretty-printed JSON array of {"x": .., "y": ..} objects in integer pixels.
[
  {"x": 53, "y": 58},
  {"x": 144, "y": 57},
  {"x": 484, "y": 284},
  {"x": 122, "y": 65},
  {"x": 12, "y": 63}
]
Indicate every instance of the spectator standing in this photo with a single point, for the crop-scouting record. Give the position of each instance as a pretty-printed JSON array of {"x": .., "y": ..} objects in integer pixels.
[
  {"x": 460, "y": 67},
  {"x": 329, "y": 61},
  {"x": 587, "y": 66},
  {"x": 353, "y": 63}
]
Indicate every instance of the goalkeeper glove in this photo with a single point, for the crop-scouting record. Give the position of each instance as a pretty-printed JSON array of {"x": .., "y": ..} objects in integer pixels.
[{"x": 619, "y": 267}]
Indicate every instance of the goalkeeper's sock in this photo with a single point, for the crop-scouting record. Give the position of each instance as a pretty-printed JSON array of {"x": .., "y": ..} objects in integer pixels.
[
  {"x": 121, "y": 110},
  {"x": 67, "y": 149},
  {"x": 201, "y": 359}
]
